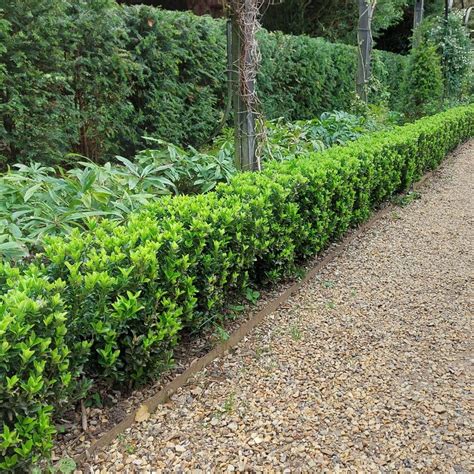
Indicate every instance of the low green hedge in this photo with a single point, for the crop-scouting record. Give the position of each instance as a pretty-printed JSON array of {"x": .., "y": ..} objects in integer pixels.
[{"x": 109, "y": 304}]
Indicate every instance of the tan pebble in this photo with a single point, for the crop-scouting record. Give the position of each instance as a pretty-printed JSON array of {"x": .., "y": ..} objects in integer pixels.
[{"x": 197, "y": 391}]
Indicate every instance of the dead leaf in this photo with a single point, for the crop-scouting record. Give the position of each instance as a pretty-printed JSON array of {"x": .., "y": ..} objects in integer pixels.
[{"x": 142, "y": 414}]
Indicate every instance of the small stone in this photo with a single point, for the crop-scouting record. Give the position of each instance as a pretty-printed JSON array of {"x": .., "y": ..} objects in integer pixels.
[
  {"x": 439, "y": 408},
  {"x": 179, "y": 448}
]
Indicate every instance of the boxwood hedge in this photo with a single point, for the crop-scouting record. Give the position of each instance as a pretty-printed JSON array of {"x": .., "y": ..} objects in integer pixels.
[{"x": 110, "y": 303}]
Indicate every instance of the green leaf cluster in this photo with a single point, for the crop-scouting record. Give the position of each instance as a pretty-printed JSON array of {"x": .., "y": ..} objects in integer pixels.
[
  {"x": 40, "y": 364},
  {"x": 440, "y": 72},
  {"x": 452, "y": 42}
]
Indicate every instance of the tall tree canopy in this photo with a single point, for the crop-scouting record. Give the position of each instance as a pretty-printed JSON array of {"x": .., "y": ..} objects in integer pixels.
[{"x": 336, "y": 20}]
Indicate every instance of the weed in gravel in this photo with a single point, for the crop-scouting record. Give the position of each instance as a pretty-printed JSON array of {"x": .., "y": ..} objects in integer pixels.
[
  {"x": 229, "y": 404},
  {"x": 406, "y": 199},
  {"x": 64, "y": 466},
  {"x": 295, "y": 333},
  {"x": 252, "y": 295},
  {"x": 261, "y": 351},
  {"x": 331, "y": 305},
  {"x": 126, "y": 446},
  {"x": 220, "y": 334},
  {"x": 328, "y": 284}
]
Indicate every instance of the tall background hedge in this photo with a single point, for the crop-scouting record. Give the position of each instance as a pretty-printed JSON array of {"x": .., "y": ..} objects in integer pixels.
[{"x": 93, "y": 77}]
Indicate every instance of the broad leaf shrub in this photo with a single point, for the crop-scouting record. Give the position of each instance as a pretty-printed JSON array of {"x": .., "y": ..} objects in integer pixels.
[
  {"x": 39, "y": 364},
  {"x": 94, "y": 77},
  {"x": 38, "y": 200},
  {"x": 109, "y": 304}
]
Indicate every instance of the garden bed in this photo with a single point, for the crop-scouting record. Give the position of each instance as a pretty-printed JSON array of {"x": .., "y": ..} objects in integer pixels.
[{"x": 109, "y": 304}]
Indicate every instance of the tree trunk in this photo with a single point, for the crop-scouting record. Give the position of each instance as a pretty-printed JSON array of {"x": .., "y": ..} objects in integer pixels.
[{"x": 364, "y": 39}]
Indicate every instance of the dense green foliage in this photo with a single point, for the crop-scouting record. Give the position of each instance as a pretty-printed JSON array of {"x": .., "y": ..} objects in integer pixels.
[
  {"x": 440, "y": 71},
  {"x": 94, "y": 78},
  {"x": 66, "y": 86},
  {"x": 452, "y": 42},
  {"x": 128, "y": 290},
  {"x": 39, "y": 364},
  {"x": 336, "y": 19},
  {"x": 39, "y": 200},
  {"x": 315, "y": 76},
  {"x": 423, "y": 84},
  {"x": 99, "y": 66},
  {"x": 37, "y": 112},
  {"x": 287, "y": 141}
]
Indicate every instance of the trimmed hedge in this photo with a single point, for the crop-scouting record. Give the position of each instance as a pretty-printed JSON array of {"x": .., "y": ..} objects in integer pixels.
[
  {"x": 301, "y": 77},
  {"x": 109, "y": 304},
  {"x": 94, "y": 77}
]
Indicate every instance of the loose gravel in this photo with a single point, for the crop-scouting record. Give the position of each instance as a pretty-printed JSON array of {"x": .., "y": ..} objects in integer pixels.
[{"x": 365, "y": 369}]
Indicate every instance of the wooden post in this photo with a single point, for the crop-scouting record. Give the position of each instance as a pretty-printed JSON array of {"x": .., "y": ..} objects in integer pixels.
[
  {"x": 418, "y": 17},
  {"x": 236, "y": 98},
  {"x": 448, "y": 4},
  {"x": 364, "y": 40},
  {"x": 249, "y": 142},
  {"x": 467, "y": 16},
  {"x": 243, "y": 89}
]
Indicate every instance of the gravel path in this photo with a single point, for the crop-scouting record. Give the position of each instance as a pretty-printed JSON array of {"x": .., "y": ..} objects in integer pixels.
[{"x": 366, "y": 369}]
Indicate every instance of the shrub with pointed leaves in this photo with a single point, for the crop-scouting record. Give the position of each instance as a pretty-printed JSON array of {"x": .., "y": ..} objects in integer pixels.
[{"x": 127, "y": 291}]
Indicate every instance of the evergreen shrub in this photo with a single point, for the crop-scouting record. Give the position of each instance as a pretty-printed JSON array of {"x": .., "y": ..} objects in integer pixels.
[
  {"x": 94, "y": 77},
  {"x": 109, "y": 304}
]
